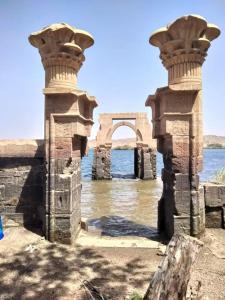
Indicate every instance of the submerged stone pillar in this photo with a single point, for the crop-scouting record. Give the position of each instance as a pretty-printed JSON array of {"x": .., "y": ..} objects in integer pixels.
[
  {"x": 68, "y": 121},
  {"x": 102, "y": 162},
  {"x": 177, "y": 122},
  {"x": 144, "y": 162}
]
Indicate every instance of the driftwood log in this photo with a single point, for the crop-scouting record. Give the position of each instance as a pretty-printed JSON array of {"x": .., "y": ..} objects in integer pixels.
[{"x": 171, "y": 279}]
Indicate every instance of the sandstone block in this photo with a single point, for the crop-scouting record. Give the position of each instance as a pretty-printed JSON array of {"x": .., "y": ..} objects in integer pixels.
[
  {"x": 182, "y": 224},
  {"x": 213, "y": 217},
  {"x": 182, "y": 182},
  {"x": 212, "y": 195},
  {"x": 197, "y": 225},
  {"x": 182, "y": 200},
  {"x": 221, "y": 193}
]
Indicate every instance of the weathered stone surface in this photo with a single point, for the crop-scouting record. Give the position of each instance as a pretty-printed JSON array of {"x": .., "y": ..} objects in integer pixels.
[
  {"x": 68, "y": 121},
  {"x": 223, "y": 217},
  {"x": 182, "y": 182},
  {"x": 214, "y": 204},
  {"x": 214, "y": 217},
  {"x": 101, "y": 163},
  {"x": 182, "y": 224},
  {"x": 177, "y": 123},
  {"x": 214, "y": 194},
  {"x": 22, "y": 188},
  {"x": 182, "y": 202},
  {"x": 61, "y": 47},
  {"x": 183, "y": 47}
]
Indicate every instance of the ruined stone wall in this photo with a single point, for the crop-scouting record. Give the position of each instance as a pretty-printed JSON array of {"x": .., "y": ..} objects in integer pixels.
[
  {"x": 101, "y": 167},
  {"x": 22, "y": 178},
  {"x": 214, "y": 205},
  {"x": 148, "y": 163},
  {"x": 66, "y": 206},
  {"x": 144, "y": 163}
]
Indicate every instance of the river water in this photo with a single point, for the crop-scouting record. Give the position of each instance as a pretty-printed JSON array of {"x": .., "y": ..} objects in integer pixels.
[{"x": 126, "y": 206}]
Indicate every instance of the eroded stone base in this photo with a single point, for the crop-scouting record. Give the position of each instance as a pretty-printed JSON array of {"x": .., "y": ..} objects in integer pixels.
[
  {"x": 102, "y": 163},
  {"x": 181, "y": 208},
  {"x": 144, "y": 163},
  {"x": 22, "y": 177},
  {"x": 215, "y": 205},
  {"x": 63, "y": 220}
]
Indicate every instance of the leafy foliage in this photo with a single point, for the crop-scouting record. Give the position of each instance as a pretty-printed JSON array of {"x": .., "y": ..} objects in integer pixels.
[{"x": 220, "y": 176}]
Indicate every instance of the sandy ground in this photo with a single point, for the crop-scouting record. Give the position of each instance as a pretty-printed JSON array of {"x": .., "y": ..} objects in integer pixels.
[
  {"x": 209, "y": 268},
  {"x": 32, "y": 268}
]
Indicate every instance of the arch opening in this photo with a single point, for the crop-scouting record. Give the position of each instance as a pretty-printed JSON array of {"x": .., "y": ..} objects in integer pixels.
[
  {"x": 115, "y": 126},
  {"x": 122, "y": 154}
]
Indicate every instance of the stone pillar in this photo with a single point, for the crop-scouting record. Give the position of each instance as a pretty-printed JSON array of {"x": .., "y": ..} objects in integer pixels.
[
  {"x": 101, "y": 168},
  {"x": 144, "y": 162},
  {"x": 68, "y": 121},
  {"x": 177, "y": 122}
]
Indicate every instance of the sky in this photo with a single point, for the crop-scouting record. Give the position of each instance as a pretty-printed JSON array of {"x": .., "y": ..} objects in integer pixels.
[{"x": 120, "y": 70}]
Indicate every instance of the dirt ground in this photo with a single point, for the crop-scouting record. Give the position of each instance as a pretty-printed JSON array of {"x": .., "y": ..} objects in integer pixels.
[
  {"x": 209, "y": 268},
  {"x": 32, "y": 268}
]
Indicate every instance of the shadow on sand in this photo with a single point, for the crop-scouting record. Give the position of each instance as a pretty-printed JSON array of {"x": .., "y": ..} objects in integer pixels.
[{"x": 54, "y": 271}]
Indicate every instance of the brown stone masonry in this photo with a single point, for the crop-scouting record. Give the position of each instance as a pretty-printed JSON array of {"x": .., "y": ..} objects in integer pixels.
[
  {"x": 177, "y": 122},
  {"x": 68, "y": 121},
  {"x": 22, "y": 178}
]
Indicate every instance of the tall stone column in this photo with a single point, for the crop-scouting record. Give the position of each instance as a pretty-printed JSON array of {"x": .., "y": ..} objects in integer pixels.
[
  {"x": 68, "y": 121},
  {"x": 177, "y": 122}
]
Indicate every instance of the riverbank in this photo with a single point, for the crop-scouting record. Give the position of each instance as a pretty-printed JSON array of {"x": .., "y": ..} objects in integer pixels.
[{"x": 33, "y": 268}]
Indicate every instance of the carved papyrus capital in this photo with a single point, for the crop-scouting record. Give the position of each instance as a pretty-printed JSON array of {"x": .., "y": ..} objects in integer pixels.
[
  {"x": 61, "y": 47},
  {"x": 183, "y": 47}
]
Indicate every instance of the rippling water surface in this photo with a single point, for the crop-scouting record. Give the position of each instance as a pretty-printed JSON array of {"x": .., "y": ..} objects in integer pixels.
[{"x": 127, "y": 206}]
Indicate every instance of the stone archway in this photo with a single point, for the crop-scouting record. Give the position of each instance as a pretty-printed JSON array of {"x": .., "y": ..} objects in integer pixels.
[
  {"x": 144, "y": 154},
  {"x": 124, "y": 123}
]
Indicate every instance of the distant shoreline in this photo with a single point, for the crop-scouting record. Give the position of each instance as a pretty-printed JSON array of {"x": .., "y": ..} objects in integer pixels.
[
  {"x": 213, "y": 148},
  {"x": 131, "y": 148},
  {"x": 209, "y": 142}
]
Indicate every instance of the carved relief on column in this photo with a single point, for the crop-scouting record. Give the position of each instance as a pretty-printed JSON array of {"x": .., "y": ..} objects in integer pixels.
[
  {"x": 68, "y": 121},
  {"x": 177, "y": 122}
]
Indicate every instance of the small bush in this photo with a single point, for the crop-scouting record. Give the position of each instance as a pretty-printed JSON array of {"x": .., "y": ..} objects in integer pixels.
[
  {"x": 125, "y": 147},
  {"x": 220, "y": 176},
  {"x": 135, "y": 296},
  {"x": 215, "y": 146}
]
